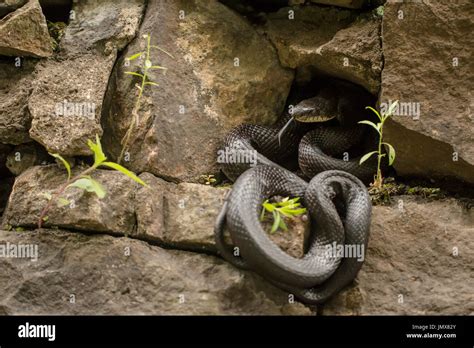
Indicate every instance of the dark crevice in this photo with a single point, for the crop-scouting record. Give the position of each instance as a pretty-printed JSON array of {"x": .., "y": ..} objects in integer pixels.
[
  {"x": 160, "y": 244},
  {"x": 56, "y": 10}
]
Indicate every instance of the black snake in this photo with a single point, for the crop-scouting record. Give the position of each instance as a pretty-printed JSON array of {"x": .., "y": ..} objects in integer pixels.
[{"x": 336, "y": 198}]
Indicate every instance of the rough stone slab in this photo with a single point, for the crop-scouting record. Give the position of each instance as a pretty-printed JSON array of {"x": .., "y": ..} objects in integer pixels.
[
  {"x": 420, "y": 52},
  {"x": 15, "y": 88},
  {"x": 411, "y": 254},
  {"x": 113, "y": 214},
  {"x": 337, "y": 42},
  {"x": 24, "y": 32},
  {"x": 110, "y": 275},
  {"x": 201, "y": 96},
  {"x": 77, "y": 81},
  {"x": 178, "y": 214},
  {"x": 77, "y": 84}
]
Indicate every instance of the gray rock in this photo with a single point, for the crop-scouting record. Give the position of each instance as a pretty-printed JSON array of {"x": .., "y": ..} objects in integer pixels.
[
  {"x": 112, "y": 214},
  {"x": 7, "y": 6},
  {"x": 178, "y": 214},
  {"x": 175, "y": 215},
  {"x": 433, "y": 78},
  {"x": 337, "y": 42},
  {"x": 293, "y": 241},
  {"x": 15, "y": 87},
  {"x": 25, "y": 156},
  {"x": 66, "y": 101},
  {"x": 411, "y": 266},
  {"x": 24, "y": 32},
  {"x": 78, "y": 274},
  {"x": 201, "y": 96}
]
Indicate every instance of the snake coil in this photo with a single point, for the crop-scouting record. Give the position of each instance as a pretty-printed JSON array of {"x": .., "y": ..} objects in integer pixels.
[{"x": 336, "y": 198}]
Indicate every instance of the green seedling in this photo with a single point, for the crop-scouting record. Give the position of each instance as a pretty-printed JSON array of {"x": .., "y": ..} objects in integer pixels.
[
  {"x": 83, "y": 180},
  {"x": 144, "y": 76},
  {"x": 378, "y": 181},
  {"x": 208, "y": 179},
  {"x": 284, "y": 209}
]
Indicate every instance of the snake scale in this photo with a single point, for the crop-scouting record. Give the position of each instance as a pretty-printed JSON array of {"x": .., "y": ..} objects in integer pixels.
[{"x": 335, "y": 196}]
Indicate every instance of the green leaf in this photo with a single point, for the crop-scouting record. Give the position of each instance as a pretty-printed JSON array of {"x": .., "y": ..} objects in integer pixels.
[
  {"x": 47, "y": 195},
  {"x": 366, "y": 157},
  {"x": 390, "y": 108},
  {"x": 90, "y": 185},
  {"x": 268, "y": 206},
  {"x": 158, "y": 67},
  {"x": 391, "y": 153},
  {"x": 135, "y": 56},
  {"x": 62, "y": 202},
  {"x": 64, "y": 162},
  {"x": 375, "y": 111},
  {"x": 96, "y": 148},
  {"x": 297, "y": 212},
  {"x": 283, "y": 225},
  {"x": 151, "y": 83},
  {"x": 125, "y": 171},
  {"x": 276, "y": 221},
  {"x": 285, "y": 212},
  {"x": 375, "y": 126},
  {"x": 133, "y": 73},
  {"x": 162, "y": 50}
]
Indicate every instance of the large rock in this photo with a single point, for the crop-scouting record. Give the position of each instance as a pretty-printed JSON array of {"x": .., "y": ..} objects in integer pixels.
[
  {"x": 15, "y": 87},
  {"x": 174, "y": 215},
  {"x": 67, "y": 96},
  {"x": 78, "y": 274},
  {"x": 202, "y": 95},
  {"x": 24, "y": 32},
  {"x": 433, "y": 79},
  {"x": 66, "y": 102},
  {"x": 113, "y": 214},
  {"x": 178, "y": 214},
  {"x": 419, "y": 262},
  {"x": 337, "y": 42}
]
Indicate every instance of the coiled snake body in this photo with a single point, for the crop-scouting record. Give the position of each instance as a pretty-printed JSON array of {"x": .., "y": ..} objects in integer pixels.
[{"x": 336, "y": 198}]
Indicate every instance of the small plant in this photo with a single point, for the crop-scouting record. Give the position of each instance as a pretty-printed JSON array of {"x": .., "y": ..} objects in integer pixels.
[
  {"x": 208, "y": 179},
  {"x": 83, "y": 180},
  {"x": 285, "y": 208},
  {"x": 56, "y": 32},
  {"x": 144, "y": 81},
  {"x": 378, "y": 181}
]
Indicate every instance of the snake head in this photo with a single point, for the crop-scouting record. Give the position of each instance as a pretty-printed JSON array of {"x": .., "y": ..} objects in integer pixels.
[{"x": 316, "y": 109}]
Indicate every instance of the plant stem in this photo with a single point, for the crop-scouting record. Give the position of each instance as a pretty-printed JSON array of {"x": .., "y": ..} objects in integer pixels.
[
  {"x": 135, "y": 117},
  {"x": 378, "y": 180},
  {"x": 59, "y": 191}
]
